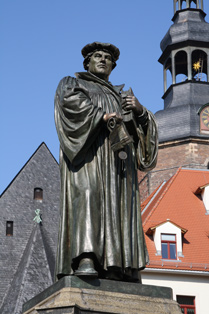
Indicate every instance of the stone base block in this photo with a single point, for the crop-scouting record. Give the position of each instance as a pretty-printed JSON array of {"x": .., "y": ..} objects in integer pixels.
[{"x": 71, "y": 295}]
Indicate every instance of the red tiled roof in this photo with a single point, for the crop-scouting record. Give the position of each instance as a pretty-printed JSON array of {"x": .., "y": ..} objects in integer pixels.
[
  {"x": 144, "y": 204},
  {"x": 178, "y": 202},
  {"x": 157, "y": 196}
]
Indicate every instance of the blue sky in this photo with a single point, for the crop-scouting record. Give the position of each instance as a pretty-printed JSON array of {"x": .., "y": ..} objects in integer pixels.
[{"x": 41, "y": 42}]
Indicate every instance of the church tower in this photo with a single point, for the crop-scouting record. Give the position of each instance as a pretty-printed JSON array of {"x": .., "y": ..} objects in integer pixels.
[{"x": 184, "y": 122}]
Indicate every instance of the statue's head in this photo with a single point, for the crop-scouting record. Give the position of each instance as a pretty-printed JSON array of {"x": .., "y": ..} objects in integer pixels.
[{"x": 100, "y": 58}]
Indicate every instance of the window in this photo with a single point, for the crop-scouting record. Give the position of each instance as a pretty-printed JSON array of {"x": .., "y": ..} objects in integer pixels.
[
  {"x": 9, "y": 228},
  {"x": 168, "y": 244},
  {"x": 38, "y": 194},
  {"x": 187, "y": 304},
  {"x": 181, "y": 70}
]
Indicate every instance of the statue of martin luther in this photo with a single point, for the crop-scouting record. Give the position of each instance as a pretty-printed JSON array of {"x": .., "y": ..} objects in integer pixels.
[{"x": 101, "y": 232}]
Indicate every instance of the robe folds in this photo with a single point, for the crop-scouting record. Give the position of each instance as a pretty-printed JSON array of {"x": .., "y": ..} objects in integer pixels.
[{"x": 100, "y": 205}]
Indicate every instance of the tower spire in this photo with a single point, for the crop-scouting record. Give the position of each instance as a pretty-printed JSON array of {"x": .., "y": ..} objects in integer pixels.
[
  {"x": 183, "y": 124},
  {"x": 179, "y": 5},
  {"x": 185, "y": 60}
]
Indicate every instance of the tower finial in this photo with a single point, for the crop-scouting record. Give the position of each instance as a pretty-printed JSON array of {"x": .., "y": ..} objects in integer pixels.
[{"x": 180, "y": 5}]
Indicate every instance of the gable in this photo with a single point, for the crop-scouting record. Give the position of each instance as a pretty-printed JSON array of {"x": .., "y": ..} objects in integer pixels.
[{"x": 17, "y": 204}]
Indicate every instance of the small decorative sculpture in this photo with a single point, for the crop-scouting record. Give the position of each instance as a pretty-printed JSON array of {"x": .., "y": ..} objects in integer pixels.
[{"x": 37, "y": 218}]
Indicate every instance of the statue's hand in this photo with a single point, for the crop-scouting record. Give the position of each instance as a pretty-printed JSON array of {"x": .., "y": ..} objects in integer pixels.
[
  {"x": 132, "y": 103},
  {"x": 115, "y": 115}
]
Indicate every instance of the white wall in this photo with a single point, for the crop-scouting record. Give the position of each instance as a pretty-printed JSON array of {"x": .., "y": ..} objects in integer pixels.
[
  {"x": 205, "y": 197},
  {"x": 168, "y": 228},
  {"x": 188, "y": 285}
]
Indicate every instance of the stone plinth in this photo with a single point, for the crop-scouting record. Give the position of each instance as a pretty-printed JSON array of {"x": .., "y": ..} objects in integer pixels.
[{"x": 72, "y": 295}]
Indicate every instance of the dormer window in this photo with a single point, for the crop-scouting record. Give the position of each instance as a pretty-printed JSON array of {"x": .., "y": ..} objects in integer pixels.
[
  {"x": 168, "y": 239},
  {"x": 168, "y": 245},
  {"x": 204, "y": 192}
]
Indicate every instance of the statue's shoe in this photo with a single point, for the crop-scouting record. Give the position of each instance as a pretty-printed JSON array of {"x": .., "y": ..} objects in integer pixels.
[
  {"x": 114, "y": 275},
  {"x": 132, "y": 275},
  {"x": 86, "y": 268}
]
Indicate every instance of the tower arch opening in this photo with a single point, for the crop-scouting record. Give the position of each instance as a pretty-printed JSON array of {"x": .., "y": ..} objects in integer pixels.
[
  {"x": 181, "y": 70},
  {"x": 167, "y": 74},
  {"x": 194, "y": 4},
  {"x": 184, "y": 5},
  {"x": 187, "y": 4},
  {"x": 199, "y": 65}
]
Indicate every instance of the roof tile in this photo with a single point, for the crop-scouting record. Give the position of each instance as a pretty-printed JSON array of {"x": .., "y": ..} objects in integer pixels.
[{"x": 178, "y": 202}]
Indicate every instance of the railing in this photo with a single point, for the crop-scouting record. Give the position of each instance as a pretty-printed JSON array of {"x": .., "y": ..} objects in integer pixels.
[{"x": 179, "y": 265}]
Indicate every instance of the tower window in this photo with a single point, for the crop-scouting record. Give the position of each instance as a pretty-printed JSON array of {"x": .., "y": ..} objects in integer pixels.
[
  {"x": 184, "y": 4},
  {"x": 168, "y": 244},
  {"x": 199, "y": 65},
  {"x": 38, "y": 194},
  {"x": 187, "y": 304},
  {"x": 9, "y": 228},
  {"x": 167, "y": 74},
  {"x": 181, "y": 70}
]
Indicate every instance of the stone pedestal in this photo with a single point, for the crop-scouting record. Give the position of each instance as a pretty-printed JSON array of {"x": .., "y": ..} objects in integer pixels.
[{"x": 71, "y": 295}]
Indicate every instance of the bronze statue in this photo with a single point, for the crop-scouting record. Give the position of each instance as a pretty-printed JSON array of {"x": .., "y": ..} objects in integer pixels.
[{"x": 105, "y": 135}]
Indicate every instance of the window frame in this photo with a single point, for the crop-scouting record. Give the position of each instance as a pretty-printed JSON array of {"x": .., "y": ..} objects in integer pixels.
[
  {"x": 168, "y": 242},
  {"x": 186, "y": 307},
  {"x": 38, "y": 194},
  {"x": 9, "y": 229}
]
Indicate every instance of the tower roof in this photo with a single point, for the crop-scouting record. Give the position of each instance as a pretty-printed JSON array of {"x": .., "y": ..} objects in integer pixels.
[
  {"x": 185, "y": 59},
  {"x": 189, "y": 28}
]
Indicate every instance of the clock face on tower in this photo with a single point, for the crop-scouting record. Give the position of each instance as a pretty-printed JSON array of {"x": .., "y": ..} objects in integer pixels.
[{"x": 204, "y": 120}]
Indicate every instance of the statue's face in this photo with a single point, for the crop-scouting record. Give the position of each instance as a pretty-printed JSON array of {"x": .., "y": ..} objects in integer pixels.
[{"x": 100, "y": 64}]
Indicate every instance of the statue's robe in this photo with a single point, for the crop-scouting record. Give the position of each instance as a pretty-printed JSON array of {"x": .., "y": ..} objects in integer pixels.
[{"x": 100, "y": 205}]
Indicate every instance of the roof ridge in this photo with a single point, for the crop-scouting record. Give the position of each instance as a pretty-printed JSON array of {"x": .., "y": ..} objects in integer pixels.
[
  {"x": 49, "y": 254},
  {"x": 37, "y": 244},
  {"x": 169, "y": 182},
  {"x": 20, "y": 274},
  {"x": 151, "y": 197},
  {"x": 27, "y": 162}
]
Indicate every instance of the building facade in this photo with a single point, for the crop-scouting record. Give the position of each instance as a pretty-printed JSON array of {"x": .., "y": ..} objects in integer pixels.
[
  {"x": 28, "y": 230},
  {"x": 174, "y": 209},
  {"x": 184, "y": 122},
  {"x": 174, "y": 195},
  {"x": 176, "y": 226}
]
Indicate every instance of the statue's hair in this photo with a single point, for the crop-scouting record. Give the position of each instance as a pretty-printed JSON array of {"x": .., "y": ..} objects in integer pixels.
[{"x": 88, "y": 57}]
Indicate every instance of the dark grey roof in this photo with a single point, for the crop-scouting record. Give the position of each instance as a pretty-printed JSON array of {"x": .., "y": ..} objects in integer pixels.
[
  {"x": 180, "y": 118},
  {"x": 187, "y": 93},
  {"x": 189, "y": 25},
  {"x": 33, "y": 269},
  {"x": 27, "y": 259},
  {"x": 178, "y": 123}
]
